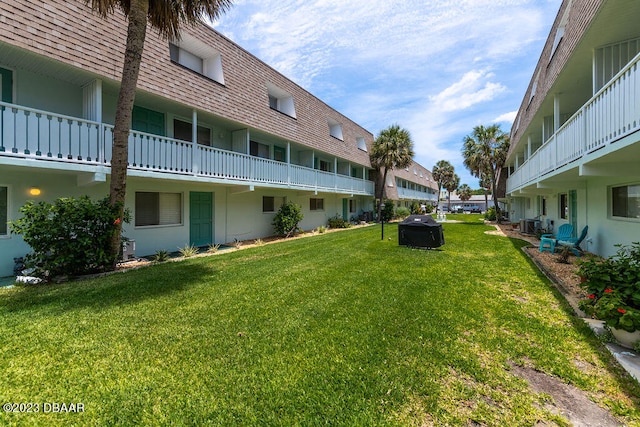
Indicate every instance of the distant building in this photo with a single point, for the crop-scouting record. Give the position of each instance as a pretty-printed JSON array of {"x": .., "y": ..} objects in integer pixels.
[
  {"x": 475, "y": 204},
  {"x": 413, "y": 184}
]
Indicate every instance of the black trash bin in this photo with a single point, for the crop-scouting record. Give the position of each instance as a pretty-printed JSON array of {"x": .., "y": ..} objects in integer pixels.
[{"x": 420, "y": 231}]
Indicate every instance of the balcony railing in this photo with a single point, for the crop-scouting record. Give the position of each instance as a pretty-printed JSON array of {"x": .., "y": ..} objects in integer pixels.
[
  {"x": 42, "y": 135},
  {"x": 612, "y": 113},
  {"x": 406, "y": 193}
]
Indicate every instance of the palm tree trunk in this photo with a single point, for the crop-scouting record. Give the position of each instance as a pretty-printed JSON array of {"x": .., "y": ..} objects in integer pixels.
[
  {"x": 136, "y": 33},
  {"x": 494, "y": 190}
]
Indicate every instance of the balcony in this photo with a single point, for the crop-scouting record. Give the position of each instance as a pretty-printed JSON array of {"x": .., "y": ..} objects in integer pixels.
[
  {"x": 48, "y": 137},
  {"x": 406, "y": 193},
  {"x": 610, "y": 115}
]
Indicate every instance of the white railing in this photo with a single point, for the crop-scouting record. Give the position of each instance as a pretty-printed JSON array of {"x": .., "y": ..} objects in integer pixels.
[
  {"x": 406, "y": 193},
  {"x": 42, "y": 135},
  {"x": 611, "y": 114}
]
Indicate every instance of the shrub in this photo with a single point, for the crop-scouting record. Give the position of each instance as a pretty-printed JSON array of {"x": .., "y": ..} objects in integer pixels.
[
  {"x": 69, "y": 237},
  {"x": 402, "y": 212},
  {"x": 160, "y": 256},
  {"x": 188, "y": 251},
  {"x": 490, "y": 214},
  {"x": 337, "y": 222},
  {"x": 287, "y": 219},
  {"x": 428, "y": 209},
  {"x": 613, "y": 288},
  {"x": 388, "y": 210},
  {"x": 321, "y": 229},
  {"x": 415, "y": 208},
  {"x": 212, "y": 249}
]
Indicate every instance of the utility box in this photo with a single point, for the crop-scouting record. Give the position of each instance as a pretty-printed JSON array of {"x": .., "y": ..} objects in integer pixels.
[
  {"x": 420, "y": 231},
  {"x": 128, "y": 250}
]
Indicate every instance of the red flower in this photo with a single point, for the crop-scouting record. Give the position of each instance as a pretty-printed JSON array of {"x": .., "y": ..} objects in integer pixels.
[
  {"x": 622, "y": 310},
  {"x": 592, "y": 296},
  {"x": 117, "y": 221},
  {"x": 608, "y": 291}
]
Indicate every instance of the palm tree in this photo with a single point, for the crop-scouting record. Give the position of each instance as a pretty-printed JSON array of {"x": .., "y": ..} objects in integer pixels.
[
  {"x": 485, "y": 152},
  {"x": 451, "y": 185},
  {"x": 442, "y": 172},
  {"x": 392, "y": 149},
  {"x": 464, "y": 192},
  {"x": 167, "y": 17}
]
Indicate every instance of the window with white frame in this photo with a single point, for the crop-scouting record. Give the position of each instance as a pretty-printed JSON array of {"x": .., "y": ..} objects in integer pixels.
[
  {"x": 281, "y": 100},
  {"x": 625, "y": 201},
  {"x": 316, "y": 204},
  {"x": 197, "y": 56},
  {"x": 155, "y": 208},
  {"x": 4, "y": 210},
  {"x": 564, "y": 206},
  {"x": 362, "y": 144}
]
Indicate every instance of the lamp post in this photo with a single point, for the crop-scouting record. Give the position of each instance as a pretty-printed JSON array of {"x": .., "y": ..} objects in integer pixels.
[{"x": 382, "y": 220}]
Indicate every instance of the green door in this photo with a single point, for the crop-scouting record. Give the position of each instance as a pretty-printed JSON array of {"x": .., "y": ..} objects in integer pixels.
[
  {"x": 147, "y": 121},
  {"x": 573, "y": 210},
  {"x": 345, "y": 209},
  {"x": 6, "y": 85},
  {"x": 200, "y": 218}
]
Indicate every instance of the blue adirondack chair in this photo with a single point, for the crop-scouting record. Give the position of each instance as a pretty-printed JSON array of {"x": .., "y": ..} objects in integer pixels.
[
  {"x": 574, "y": 242},
  {"x": 548, "y": 241}
]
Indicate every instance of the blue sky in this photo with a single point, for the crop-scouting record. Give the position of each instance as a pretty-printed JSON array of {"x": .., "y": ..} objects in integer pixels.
[{"x": 435, "y": 67}]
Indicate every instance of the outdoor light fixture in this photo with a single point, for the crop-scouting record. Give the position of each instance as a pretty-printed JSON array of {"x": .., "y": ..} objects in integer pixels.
[{"x": 34, "y": 191}]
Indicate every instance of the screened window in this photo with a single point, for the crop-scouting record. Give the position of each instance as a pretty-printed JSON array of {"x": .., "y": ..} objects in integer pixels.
[
  {"x": 268, "y": 204},
  {"x": 316, "y": 204},
  {"x": 352, "y": 206},
  {"x": 625, "y": 201},
  {"x": 184, "y": 131},
  {"x": 259, "y": 150},
  {"x": 158, "y": 209},
  {"x": 4, "y": 210}
]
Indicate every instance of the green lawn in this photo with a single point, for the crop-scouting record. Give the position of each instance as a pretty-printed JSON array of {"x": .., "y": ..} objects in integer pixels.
[{"x": 335, "y": 329}]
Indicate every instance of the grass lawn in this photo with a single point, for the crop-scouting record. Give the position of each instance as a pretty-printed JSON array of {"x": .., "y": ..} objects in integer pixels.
[{"x": 335, "y": 329}]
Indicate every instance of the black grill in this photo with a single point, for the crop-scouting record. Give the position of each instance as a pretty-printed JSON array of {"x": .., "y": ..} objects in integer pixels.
[{"x": 420, "y": 231}]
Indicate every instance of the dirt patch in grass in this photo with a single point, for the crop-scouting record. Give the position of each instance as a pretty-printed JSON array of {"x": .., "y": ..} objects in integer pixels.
[{"x": 567, "y": 400}]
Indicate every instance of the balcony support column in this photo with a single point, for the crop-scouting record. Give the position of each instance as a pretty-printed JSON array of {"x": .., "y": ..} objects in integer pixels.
[
  {"x": 195, "y": 164},
  {"x": 556, "y": 112},
  {"x": 288, "y": 163}
]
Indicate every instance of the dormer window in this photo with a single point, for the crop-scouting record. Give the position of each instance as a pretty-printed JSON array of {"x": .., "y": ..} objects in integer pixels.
[
  {"x": 280, "y": 100},
  {"x": 195, "y": 55},
  {"x": 362, "y": 144},
  {"x": 560, "y": 30},
  {"x": 335, "y": 129},
  {"x": 534, "y": 87}
]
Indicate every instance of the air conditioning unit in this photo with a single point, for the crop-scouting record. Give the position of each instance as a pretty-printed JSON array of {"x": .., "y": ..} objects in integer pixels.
[{"x": 128, "y": 250}]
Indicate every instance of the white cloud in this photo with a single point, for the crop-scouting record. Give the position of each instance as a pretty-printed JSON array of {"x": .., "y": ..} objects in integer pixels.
[
  {"x": 506, "y": 117},
  {"x": 436, "y": 67},
  {"x": 469, "y": 90}
]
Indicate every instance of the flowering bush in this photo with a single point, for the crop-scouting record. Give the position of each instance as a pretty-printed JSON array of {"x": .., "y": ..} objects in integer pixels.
[
  {"x": 69, "y": 237},
  {"x": 613, "y": 288}
]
